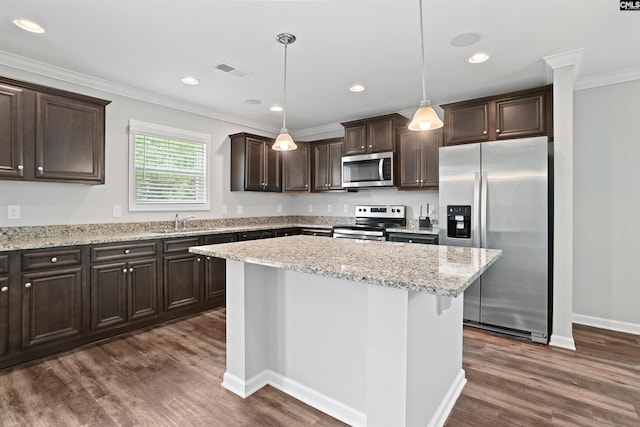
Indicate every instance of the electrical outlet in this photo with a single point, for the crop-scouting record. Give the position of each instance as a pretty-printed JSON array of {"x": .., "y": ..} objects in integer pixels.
[
  {"x": 279, "y": 208},
  {"x": 310, "y": 208},
  {"x": 13, "y": 212},
  {"x": 346, "y": 208},
  {"x": 225, "y": 209},
  {"x": 329, "y": 208},
  {"x": 240, "y": 209},
  {"x": 117, "y": 211}
]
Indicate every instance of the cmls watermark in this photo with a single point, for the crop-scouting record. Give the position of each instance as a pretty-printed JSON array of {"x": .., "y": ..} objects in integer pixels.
[{"x": 630, "y": 5}]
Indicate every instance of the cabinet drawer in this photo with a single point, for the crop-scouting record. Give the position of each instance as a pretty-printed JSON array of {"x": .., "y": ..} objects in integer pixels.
[
  {"x": 4, "y": 264},
  {"x": 253, "y": 235},
  {"x": 219, "y": 238},
  {"x": 39, "y": 260},
  {"x": 123, "y": 251},
  {"x": 179, "y": 245}
]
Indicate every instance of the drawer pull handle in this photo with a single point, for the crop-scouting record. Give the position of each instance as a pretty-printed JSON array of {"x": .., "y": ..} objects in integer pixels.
[
  {"x": 126, "y": 251},
  {"x": 27, "y": 285},
  {"x": 54, "y": 259},
  {"x": 4, "y": 289}
]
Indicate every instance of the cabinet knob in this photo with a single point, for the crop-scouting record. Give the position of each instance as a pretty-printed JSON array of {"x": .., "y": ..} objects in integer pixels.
[
  {"x": 20, "y": 167},
  {"x": 4, "y": 289},
  {"x": 410, "y": 241},
  {"x": 126, "y": 251},
  {"x": 370, "y": 146},
  {"x": 54, "y": 259},
  {"x": 417, "y": 180},
  {"x": 198, "y": 259},
  {"x": 362, "y": 146},
  {"x": 208, "y": 258},
  {"x": 130, "y": 269},
  {"x": 27, "y": 285},
  {"x": 124, "y": 270},
  {"x": 497, "y": 130},
  {"x": 421, "y": 181},
  {"x": 306, "y": 186},
  {"x": 40, "y": 170},
  {"x": 484, "y": 132}
]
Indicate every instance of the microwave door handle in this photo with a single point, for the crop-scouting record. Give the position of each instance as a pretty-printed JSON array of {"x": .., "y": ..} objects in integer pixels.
[{"x": 381, "y": 169}]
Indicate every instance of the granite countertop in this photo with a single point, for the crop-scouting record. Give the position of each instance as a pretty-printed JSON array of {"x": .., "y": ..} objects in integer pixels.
[
  {"x": 440, "y": 270},
  {"x": 102, "y": 236}
]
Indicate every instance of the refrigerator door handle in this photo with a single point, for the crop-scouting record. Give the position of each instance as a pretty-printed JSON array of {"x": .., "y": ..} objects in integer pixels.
[
  {"x": 475, "y": 219},
  {"x": 484, "y": 183}
]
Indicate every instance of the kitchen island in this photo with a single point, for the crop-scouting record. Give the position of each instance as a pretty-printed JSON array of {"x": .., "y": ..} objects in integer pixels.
[{"x": 368, "y": 332}]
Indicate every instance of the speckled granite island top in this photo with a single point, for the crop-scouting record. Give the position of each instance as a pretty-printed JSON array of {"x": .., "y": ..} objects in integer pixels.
[{"x": 440, "y": 270}]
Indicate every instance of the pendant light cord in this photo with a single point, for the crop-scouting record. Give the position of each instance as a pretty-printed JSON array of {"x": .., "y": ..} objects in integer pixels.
[
  {"x": 284, "y": 90},
  {"x": 424, "y": 89}
]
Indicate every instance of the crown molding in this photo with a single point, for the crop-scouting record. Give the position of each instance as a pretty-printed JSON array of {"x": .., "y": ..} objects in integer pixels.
[
  {"x": 317, "y": 130},
  {"x": 565, "y": 59},
  {"x": 65, "y": 75},
  {"x": 608, "y": 79}
]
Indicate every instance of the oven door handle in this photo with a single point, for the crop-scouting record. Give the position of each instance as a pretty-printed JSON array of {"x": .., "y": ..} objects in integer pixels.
[{"x": 349, "y": 232}]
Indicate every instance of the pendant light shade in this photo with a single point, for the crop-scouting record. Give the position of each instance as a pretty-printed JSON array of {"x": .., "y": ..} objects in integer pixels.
[
  {"x": 284, "y": 142},
  {"x": 425, "y": 117}
]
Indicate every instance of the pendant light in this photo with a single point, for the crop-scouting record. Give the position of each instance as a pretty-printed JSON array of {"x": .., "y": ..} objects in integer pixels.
[
  {"x": 284, "y": 142},
  {"x": 425, "y": 117}
]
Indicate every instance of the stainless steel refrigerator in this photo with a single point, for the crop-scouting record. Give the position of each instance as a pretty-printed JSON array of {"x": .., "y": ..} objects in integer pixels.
[{"x": 496, "y": 195}]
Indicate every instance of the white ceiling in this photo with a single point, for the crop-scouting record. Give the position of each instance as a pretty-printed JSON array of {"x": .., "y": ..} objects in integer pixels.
[{"x": 150, "y": 45}]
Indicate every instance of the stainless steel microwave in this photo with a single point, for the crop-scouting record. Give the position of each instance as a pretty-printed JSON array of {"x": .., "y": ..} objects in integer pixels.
[{"x": 368, "y": 170}]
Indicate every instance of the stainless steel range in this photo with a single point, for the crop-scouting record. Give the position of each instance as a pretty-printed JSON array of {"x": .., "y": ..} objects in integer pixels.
[{"x": 372, "y": 222}]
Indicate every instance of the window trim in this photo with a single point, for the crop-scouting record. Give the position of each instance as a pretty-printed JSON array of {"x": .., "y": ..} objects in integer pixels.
[{"x": 136, "y": 126}]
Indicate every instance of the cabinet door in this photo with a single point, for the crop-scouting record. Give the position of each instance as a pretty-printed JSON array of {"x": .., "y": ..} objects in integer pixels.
[
  {"x": 296, "y": 168},
  {"x": 273, "y": 177},
  {"x": 380, "y": 136},
  {"x": 142, "y": 293},
  {"x": 69, "y": 139},
  {"x": 355, "y": 139},
  {"x": 4, "y": 315},
  {"x": 183, "y": 279},
  {"x": 108, "y": 295},
  {"x": 216, "y": 272},
  {"x": 466, "y": 124},
  {"x": 254, "y": 178},
  {"x": 520, "y": 117},
  {"x": 320, "y": 167},
  {"x": 409, "y": 158},
  {"x": 335, "y": 165},
  {"x": 51, "y": 306},
  {"x": 11, "y": 138},
  {"x": 431, "y": 143}
]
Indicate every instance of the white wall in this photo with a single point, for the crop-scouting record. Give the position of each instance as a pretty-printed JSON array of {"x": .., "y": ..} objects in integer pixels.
[
  {"x": 607, "y": 206},
  {"x": 53, "y": 203}
]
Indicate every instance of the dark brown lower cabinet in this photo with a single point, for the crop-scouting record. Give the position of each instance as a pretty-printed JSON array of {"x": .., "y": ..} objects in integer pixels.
[
  {"x": 4, "y": 315},
  {"x": 183, "y": 279},
  {"x": 51, "y": 306},
  {"x": 216, "y": 272},
  {"x": 123, "y": 292}
]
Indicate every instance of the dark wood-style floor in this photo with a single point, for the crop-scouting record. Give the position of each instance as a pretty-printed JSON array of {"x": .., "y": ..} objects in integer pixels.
[{"x": 170, "y": 376}]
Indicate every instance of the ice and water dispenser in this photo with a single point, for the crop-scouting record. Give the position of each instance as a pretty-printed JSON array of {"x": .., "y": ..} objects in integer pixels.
[{"x": 459, "y": 221}]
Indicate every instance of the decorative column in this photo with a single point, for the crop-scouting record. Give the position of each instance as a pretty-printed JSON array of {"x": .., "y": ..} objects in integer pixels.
[{"x": 564, "y": 66}]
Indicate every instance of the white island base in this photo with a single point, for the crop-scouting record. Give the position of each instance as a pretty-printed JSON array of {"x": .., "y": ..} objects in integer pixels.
[{"x": 363, "y": 353}]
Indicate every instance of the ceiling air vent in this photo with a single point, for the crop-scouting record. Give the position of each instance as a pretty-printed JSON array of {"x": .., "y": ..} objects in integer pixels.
[{"x": 228, "y": 68}]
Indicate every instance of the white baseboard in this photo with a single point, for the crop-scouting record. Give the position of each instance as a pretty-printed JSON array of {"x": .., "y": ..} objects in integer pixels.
[
  {"x": 445, "y": 407},
  {"x": 299, "y": 391},
  {"x": 613, "y": 325},
  {"x": 562, "y": 342}
]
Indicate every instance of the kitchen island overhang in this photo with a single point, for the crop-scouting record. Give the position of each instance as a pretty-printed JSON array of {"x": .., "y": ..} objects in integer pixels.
[{"x": 369, "y": 332}]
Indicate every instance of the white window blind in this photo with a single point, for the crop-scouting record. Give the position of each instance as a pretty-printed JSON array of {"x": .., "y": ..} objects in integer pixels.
[{"x": 169, "y": 168}]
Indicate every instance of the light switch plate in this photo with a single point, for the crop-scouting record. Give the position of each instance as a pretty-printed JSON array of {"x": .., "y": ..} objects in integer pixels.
[
  {"x": 240, "y": 209},
  {"x": 117, "y": 211},
  {"x": 329, "y": 208},
  {"x": 279, "y": 208},
  {"x": 310, "y": 207}
]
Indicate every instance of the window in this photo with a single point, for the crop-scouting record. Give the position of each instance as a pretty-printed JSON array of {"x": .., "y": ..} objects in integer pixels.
[{"x": 168, "y": 168}]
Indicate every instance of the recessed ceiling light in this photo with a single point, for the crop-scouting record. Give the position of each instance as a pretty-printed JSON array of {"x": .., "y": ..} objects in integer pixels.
[
  {"x": 357, "y": 88},
  {"x": 28, "y": 26},
  {"x": 465, "y": 39},
  {"x": 478, "y": 58},
  {"x": 192, "y": 81},
  {"x": 252, "y": 101},
  {"x": 276, "y": 108}
]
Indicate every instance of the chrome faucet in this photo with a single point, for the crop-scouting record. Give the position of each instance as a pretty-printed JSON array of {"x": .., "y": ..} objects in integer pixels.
[{"x": 177, "y": 222}]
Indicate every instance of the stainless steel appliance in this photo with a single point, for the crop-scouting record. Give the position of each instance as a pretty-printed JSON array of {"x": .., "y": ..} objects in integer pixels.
[
  {"x": 367, "y": 170},
  {"x": 496, "y": 195},
  {"x": 372, "y": 222}
]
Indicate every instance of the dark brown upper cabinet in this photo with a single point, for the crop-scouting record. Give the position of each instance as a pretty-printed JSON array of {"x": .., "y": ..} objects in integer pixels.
[
  {"x": 47, "y": 134},
  {"x": 254, "y": 165},
  {"x": 326, "y": 158},
  {"x": 372, "y": 135},
  {"x": 418, "y": 158},
  {"x": 296, "y": 165},
  {"x": 513, "y": 115}
]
